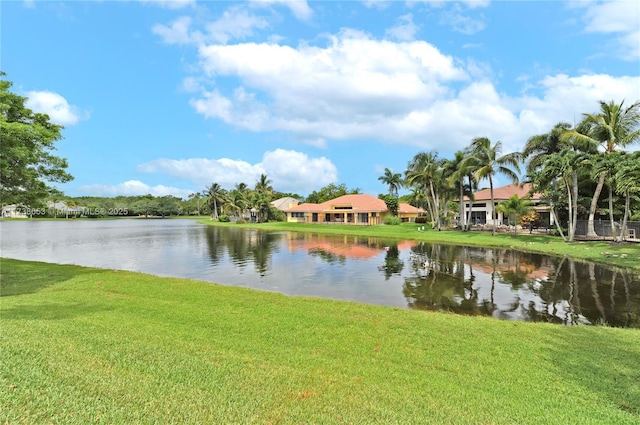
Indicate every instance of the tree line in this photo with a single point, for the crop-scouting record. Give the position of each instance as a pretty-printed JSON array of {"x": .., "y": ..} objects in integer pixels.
[{"x": 569, "y": 166}]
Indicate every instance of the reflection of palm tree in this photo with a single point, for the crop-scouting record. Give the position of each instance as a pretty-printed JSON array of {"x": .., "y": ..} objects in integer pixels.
[{"x": 392, "y": 263}]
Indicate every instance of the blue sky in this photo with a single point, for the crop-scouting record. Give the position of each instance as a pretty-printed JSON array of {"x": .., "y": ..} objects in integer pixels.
[{"x": 166, "y": 97}]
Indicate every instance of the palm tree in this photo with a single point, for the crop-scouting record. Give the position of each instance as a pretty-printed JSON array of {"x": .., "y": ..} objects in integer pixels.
[
  {"x": 216, "y": 195},
  {"x": 393, "y": 180},
  {"x": 195, "y": 197},
  {"x": 488, "y": 162},
  {"x": 627, "y": 180},
  {"x": 425, "y": 170},
  {"x": 538, "y": 147},
  {"x": 516, "y": 206},
  {"x": 458, "y": 174},
  {"x": 263, "y": 186},
  {"x": 613, "y": 127}
]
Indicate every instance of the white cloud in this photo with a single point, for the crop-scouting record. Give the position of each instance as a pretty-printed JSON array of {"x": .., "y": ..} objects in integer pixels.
[
  {"x": 235, "y": 23},
  {"x": 405, "y": 29},
  {"x": 288, "y": 170},
  {"x": 177, "y": 32},
  {"x": 616, "y": 17},
  {"x": 133, "y": 188},
  {"x": 352, "y": 88},
  {"x": 171, "y": 4},
  {"x": 54, "y": 105},
  {"x": 360, "y": 88},
  {"x": 300, "y": 8}
]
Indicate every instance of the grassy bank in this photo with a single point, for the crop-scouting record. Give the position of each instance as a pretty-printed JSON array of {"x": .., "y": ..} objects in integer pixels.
[
  {"x": 82, "y": 345},
  {"x": 624, "y": 255}
]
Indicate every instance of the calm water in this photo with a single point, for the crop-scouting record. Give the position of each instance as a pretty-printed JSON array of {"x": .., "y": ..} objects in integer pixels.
[{"x": 493, "y": 282}]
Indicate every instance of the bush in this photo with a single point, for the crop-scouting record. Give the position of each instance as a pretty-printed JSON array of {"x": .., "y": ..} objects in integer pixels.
[
  {"x": 392, "y": 220},
  {"x": 241, "y": 221},
  {"x": 422, "y": 219},
  {"x": 223, "y": 218}
]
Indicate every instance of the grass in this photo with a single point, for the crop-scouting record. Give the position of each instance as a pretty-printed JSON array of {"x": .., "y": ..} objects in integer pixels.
[
  {"x": 626, "y": 255},
  {"x": 82, "y": 345}
]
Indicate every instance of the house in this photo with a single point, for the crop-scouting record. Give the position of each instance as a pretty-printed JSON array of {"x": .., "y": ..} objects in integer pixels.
[
  {"x": 14, "y": 211},
  {"x": 481, "y": 211},
  {"x": 358, "y": 209},
  {"x": 285, "y": 203}
]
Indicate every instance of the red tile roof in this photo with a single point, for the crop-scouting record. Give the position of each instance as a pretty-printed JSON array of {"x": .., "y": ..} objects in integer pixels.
[
  {"x": 505, "y": 192},
  {"x": 357, "y": 202}
]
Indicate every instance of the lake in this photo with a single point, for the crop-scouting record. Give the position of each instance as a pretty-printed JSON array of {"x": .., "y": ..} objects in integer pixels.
[{"x": 501, "y": 283}]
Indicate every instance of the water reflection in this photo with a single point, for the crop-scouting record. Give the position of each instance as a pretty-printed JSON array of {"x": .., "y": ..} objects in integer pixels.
[
  {"x": 501, "y": 283},
  {"x": 520, "y": 286},
  {"x": 243, "y": 247}
]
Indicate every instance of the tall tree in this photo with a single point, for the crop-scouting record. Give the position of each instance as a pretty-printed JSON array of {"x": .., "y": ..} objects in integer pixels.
[
  {"x": 457, "y": 179},
  {"x": 627, "y": 181},
  {"x": 263, "y": 186},
  {"x": 27, "y": 139},
  {"x": 425, "y": 169},
  {"x": 615, "y": 126},
  {"x": 393, "y": 180},
  {"x": 486, "y": 158},
  {"x": 216, "y": 195},
  {"x": 539, "y": 147}
]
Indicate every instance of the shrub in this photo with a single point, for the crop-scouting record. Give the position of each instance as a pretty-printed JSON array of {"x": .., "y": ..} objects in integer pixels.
[
  {"x": 422, "y": 219},
  {"x": 241, "y": 221},
  {"x": 223, "y": 218},
  {"x": 392, "y": 220}
]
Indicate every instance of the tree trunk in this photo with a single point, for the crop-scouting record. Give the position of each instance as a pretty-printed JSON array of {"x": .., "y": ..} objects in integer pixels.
[
  {"x": 611, "y": 222},
  {"x": 591, "y": 230},
  {"x": 470, "y": 202},
  {"x": 574, "y": 186},
  {"x": 623, "y": 229},
  {"x": 493, "y": 208},
  {"x": 463, "y": 218}
]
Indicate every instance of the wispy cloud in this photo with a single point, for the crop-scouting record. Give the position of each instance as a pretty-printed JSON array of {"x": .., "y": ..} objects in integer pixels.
[{"x": 621, "y": 18}]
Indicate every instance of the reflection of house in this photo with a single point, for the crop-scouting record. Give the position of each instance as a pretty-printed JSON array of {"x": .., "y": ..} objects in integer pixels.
[
  {"x": 345, "y": 247},
  {"x": 356, "y": 209},
  {"x": 481, "y": 211}
]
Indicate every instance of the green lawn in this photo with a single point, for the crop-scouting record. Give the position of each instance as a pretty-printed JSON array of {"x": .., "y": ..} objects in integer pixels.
[
  {"x": 82, "y": 345},
  {"x": 625, "y": 255}
]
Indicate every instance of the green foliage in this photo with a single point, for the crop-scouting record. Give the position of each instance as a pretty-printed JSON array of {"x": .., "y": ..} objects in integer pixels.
[
  {"x": 392, "y": 220},
  {"x": 27, "y": 165},
  {"x": 391, "y": 202},
  {"x": 329, "y": 192},
  {"x": 223, "y": 218}
]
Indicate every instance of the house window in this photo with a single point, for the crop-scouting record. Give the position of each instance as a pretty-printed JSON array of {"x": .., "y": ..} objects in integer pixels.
[
  {"x": 480, "y": 205},
  {"x": 373, "y": 214},
  {"x": 297, "y": 215},
  {"x": 363, "y": 217}
]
